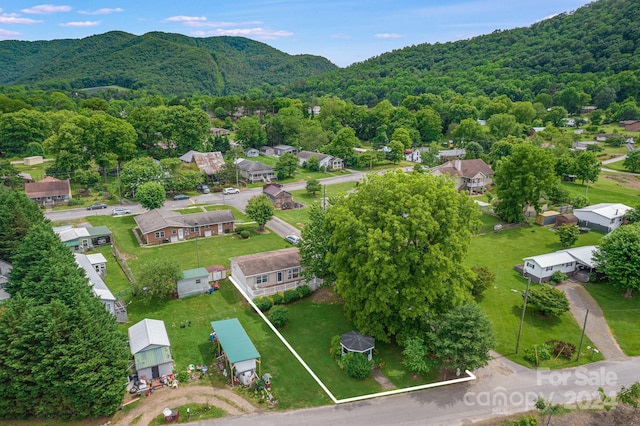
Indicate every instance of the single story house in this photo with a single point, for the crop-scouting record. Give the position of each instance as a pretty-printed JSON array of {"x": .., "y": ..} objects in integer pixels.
[
  {"x": 151, "y": 350},
  {"x": 327, "y": 161},
  {"x": 218, "y": 131},
  {"x": 98, "y": 285},
  {"x": 470, "y": 175},
  {"x": 452, "y": 153},
  {"x": 413, "y": 155},
  {"x": 280, "y": 198},
  {"x": 163, "y": 226},
  {"x": 5, "y": 268},
  {"x": 251, "y": 153},
  {"x": 209, "y": 163},
  {"x": 240, "y": 355},
  {"x": 603, "y": 217},
  {"x": 193, "y": 281},
  {"x": 216, "y": 273},
  {"x": 49, "y": 191},
  {"x": 281, "y": 149},
  {"x": 83, "y": 239},
  {"x": 583, "y": 145},
  {"x": 569, "y": 261},
  {"x": 633, "y": 127},
  {"x": 32, "y": 161},
  {"x": 267, "y": 273},
  {"x": 267, "y": 151},
  {"x": 255, "y": 171}
]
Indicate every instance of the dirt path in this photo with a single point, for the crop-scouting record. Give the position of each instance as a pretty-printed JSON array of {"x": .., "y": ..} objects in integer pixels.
[
  {"x": 597, "y": 328},
  {"x": 151, "y": 406}
]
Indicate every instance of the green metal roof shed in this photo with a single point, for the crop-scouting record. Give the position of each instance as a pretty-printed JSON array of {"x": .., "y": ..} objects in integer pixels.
[{"x": 234, "y": 340}]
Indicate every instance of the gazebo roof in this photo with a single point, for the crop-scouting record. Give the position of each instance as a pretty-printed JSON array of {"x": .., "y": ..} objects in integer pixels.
[{"x": 356, "y": 342}]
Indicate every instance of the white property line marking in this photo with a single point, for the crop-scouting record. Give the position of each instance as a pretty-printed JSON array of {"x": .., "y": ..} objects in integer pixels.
[{"x": 470, "y": 377}]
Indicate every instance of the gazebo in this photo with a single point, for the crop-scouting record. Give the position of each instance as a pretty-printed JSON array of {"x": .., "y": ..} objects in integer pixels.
[
  {"x": 240, "y": 356},
  {"x": 356, "y": 342}
]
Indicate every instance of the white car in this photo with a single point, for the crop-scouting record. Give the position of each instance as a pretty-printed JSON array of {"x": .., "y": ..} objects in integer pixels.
[
  {"x": 293, "y": 239},
  {"x": 228, "y": 191},
  {"x": 120, "y": 211}
]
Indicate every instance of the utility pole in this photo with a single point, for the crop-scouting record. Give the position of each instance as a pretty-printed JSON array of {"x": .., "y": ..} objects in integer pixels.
[
  {"x": 197, "y": 252},
  {"x": 584, "y": 327},
  {"x": 524, "y": 308}
]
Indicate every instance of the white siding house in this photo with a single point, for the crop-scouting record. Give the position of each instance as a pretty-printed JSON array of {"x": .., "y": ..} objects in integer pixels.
[
  {"x": 150, "y": 347},
  {"x": 96, "y": 283},
  {"x": 603, "y": 217},
  {"x": 541, "y": 268}
]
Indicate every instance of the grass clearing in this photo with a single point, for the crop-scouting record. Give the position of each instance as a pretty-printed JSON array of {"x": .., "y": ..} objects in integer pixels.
[{"x": 610, "y": 188}]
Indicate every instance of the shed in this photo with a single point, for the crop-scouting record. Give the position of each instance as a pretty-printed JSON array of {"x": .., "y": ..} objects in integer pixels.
[
  {"x": 31, "y": 161},
  {"x": 356, "y": 342},
  {"x": 150, "y": 347},
  {"x": 240, "y": 356},
  {"x": 252, "y": 153},
  {"x": 566, "y": 219},
  {"x": 194, "y": 281},
  {"x": 217, "y": 272},
  {"x": 547, "y": 218}
]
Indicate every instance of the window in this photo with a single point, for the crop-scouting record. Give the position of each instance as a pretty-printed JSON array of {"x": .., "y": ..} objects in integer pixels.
[
  {"x": 198, "y": 281},
  {"x": 260, "y": 279},
  {"x": 194, "y": 229},
  {"x": 550, "y": 268},
  {"x": 173, "y": 231},
  {"x": 531, "y": 265},
  {"x": 279, "y": 276},
  {"x": 160, "y": 234},
  {"x": 293, "y": 273},
  {"x": 206, "y": 227}
]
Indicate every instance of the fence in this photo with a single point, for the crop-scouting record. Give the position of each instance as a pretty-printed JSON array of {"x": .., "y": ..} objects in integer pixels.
[
  {"x": 122, "y": 262},
  {"x": 268, "y": 291}
]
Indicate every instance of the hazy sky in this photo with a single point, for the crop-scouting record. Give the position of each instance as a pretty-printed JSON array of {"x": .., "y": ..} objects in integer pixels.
[{"x": 344, "y": 32}]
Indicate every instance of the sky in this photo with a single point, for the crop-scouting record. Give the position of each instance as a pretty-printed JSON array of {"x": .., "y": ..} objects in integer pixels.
[{"x": 343, "y": 31}]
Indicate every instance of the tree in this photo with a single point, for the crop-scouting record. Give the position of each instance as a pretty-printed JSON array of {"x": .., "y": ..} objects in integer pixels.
[
  {"x": 88, "y": 177},
  {"x": 521, "y": 179},
  {"x": 397, "y": 150},
  {"x": 18, "y": 129},
  {"x": 587, "y": 167},
  {"x": 314, "y": 246},
  {"x": 483, "y": 279},
  {"x": 473, "y": 150},
  {"x": 415, "y": 356},
  {"x": 461, "y": 338},
  {"x": 9, "y": 175},
  {"x": 250, "y": 132},
  {"x": 548, "y": 301},
  {"x": 313, "y": 187},
  {"x": 157, "y": 279},
  {"x": 469, "y": 130},
  {"x": 397, "y": 247},
  {"x": 617, "y": 257},
  {"x": 568, "y": 235},
  {"x": 287, "y": 166},
  {"x": 429, "y": 124},
  {"x": 151, "y": 195},
  {"x": 565, "y": 166},
  {"x": 260, "y": 209},
  {"x": 342, "y": 144},
  {"x": 313, "y": 164},
  {"x": 632, "y": 162},
  {"x": 556, "y": 116},
  {"x": 502, "y": 125},
  {"x": 138, "y": 171},
  {"x": 633, "y": 215},
  {"x": 17, "y": 214}
]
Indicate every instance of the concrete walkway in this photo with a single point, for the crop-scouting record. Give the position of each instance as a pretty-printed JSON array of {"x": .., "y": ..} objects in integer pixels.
[{"x": 597, "y": 328}]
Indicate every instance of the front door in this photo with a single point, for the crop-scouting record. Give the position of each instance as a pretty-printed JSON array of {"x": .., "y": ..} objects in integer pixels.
[
  {"x": 180, "y": 234},
  {"x": 219, "y": 229},
  {"x": 155, "y": 372}
]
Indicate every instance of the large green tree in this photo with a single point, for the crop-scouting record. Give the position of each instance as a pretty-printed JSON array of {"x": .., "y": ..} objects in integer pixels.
[
  {"x": 587, "y": 167},
  {"x": 617, "y": 256},
  {"x": 397, "y": 248},
  {"x": 151, "y": 195},
  {"x": 260, "y": 209},
  {"x": 157, "y": 280},
  {"x": 17, "y": 214},
  {"x": 521, "y": 179},
  {"x": 250, "y": 132},
  {"x": 315, "y": 245},
  {"x": 287, "y": 166}
]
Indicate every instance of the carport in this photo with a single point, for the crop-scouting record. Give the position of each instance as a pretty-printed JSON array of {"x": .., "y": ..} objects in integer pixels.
[{"x": 237, "y": 351}]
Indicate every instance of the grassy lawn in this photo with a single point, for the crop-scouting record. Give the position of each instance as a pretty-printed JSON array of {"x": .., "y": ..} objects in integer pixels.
[
  {"x": 622, "y": 315},
  {"x": 609, "y": 188},
  {"x": 500, "y": 252}
]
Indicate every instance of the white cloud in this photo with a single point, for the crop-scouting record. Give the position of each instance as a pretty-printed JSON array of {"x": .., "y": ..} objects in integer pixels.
[
  {"x": 182, "y": 18},
  {"x": 14, "y": 18},
  {"x": 258, "y": 33},
  {"x": 341, "y": 36},
  {"x": 80, "y": 24},
  {"x": 8, "y": 34},
  {"x": 45, "y": 9},
  {"x": 388, "y": 35},
  {"x": 104, "y": 11}
]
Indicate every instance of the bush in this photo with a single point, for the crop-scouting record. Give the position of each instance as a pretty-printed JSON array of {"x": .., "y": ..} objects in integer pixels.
[
  {"x": 560, "y": 348},
  {"x": 558, "y": 277},
  {"x": 244, "y": 234},
  {"x": 549, "y": 301},
  {"x": 579, "y": 202},
  {"x": 75, "y": 202},
  {"x": 525, "y": 421},
  {"x": 537, "y": 354},
  {"x": 279, "y": 316},
  {"x": 483, "y": 280},
  {"x": 263, "y": 303},
  {"x": 290, "y": 296},
  {"x": 304, "y": 291},
  {"x": 244, "y": 227},
  {"x": 336, "y": 349},
  {"x": 357, "y": 365},
  {"x": 277, "y": 298}
]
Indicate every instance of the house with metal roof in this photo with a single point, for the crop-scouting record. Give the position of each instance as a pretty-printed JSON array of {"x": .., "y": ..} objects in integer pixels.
[
  {"x": 166, "y": 226},
  {"x": 329, "y": 162},
  {"x": 193, "y": 281},
  {"x": 603, "y": 217},
  {"x": 239, "y": 355},
  {"x": 150, "y": 347},
  {"x": 540, "y": 268},
  {"x": 97, "y": 284},
  {"x": 83, "y": 239}
]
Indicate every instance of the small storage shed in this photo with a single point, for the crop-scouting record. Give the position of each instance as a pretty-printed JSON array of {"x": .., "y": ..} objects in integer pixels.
[
  {"x": 194, "y": 281},
  {"x": 356, "y": 342},
  {"x": 216, "y": 272},
  {"x": 566, "y": 219},
  {"x": 150, "y": 347},
  {"x": 240, "y": 356},
  {"x": 547, "y": 218}
]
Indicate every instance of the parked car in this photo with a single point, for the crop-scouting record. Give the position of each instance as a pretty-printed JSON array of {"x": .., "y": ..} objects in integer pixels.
[
  {"x": 180, "y": 197},
  {"x": 293, "y": 239},
  {"x": 203, "y": 188},
  {"x": 97, "y": 206},
  {"x": 120, "y": 211},
  {"x": 228, "y": 191}
]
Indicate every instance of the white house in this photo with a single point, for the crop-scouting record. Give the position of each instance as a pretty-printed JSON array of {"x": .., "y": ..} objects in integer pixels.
[
  {"x": 96, "y": 283},
  {"x": 150, "y": 347},
  {"x": 603, "y": 217},
  {"x": 329, "y": 162},
  {"x": 194, "y": 281},
  {"x": 99, "y": 263},
  {"x": 540, "y": 268}
]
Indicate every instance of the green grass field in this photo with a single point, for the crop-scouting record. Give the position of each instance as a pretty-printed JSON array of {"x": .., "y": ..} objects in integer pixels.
[{"x": 609, "y": 188}]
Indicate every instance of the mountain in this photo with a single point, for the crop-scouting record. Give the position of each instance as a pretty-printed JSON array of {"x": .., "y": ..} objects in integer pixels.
[
  {"x": 599, "y": 40},
  {"x": 158, "y": 62}
]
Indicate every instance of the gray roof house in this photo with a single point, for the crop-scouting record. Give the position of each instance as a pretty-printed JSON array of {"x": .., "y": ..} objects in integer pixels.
[
  {"x": 281, "y": 149},
  {"x": 255, "y": 171},
  {"x": 150, "y": 347},
  {"x": 327, "y": 161},
  {"x": 163, "y": 226},
  {"x": 569, "y": 261},
  {"x": 603, "y": 217},
  {"x": 209, "y": 163},
  {"x": 267, "y": 273},
  {"x": 194, "y": 281},
  {"x": 251, "y": 152},
  {"x": 470, "y": 175},
  {"x": 97, "y": 284}
]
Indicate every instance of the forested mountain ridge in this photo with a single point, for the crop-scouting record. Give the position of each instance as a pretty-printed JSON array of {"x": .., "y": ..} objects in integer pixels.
[
  {"x": 601, "y": 39},
  {"x": 159, "y": 62}
]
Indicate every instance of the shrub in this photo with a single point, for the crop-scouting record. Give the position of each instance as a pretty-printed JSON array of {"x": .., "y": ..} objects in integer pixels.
[
  {"x": 483, "y": 280},
  {"x": 357, "y": 365},
  {"x": 537, "y": 354},
  {"x": 560, "y": 348},
  {"x": 244, "y": 234},
  {"x": 558, "y": 277},
  {"x": 290, "y": 296},
  {"x": 263, "y": 303},
  {"x": 304, "y": 291},
  {"x": 75, "y": 202},
  {"x": 244, "y": 227},
  {"x": 279, "y": 316},
  {"x": 549, "y": 301},
  {"x": 525, "y": 421},
  {"x": 277, "y": 298},
  {"x": 336, "y": 349},
  {"x": 579, "y": 202}
]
